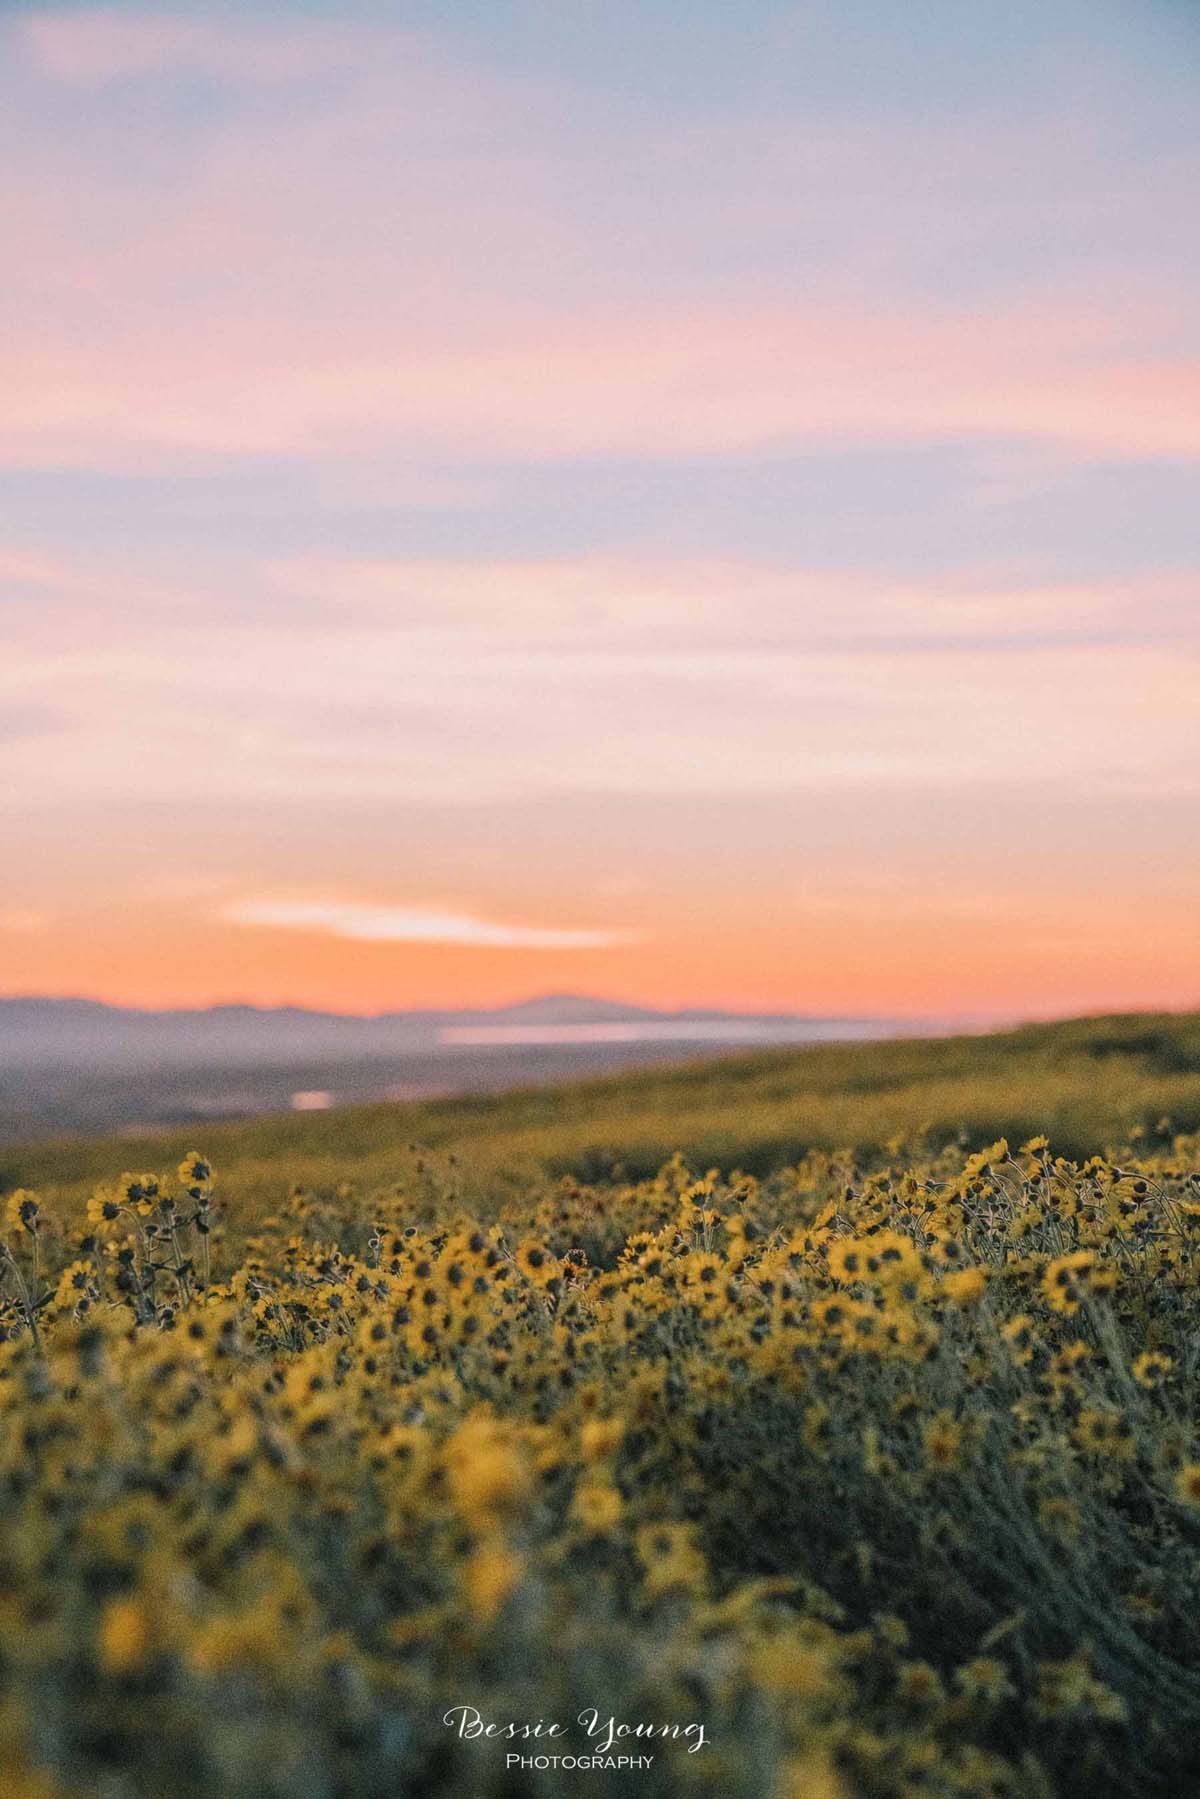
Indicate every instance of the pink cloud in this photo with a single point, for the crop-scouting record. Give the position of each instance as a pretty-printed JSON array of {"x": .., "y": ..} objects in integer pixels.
[
  {"x": 450, "y": 684},
  {"x": 674, "y": 381},
  {"x": 90, "y": 48},
  {"x": 617, "y": 602},
  {"x": 413, "y": 262}
]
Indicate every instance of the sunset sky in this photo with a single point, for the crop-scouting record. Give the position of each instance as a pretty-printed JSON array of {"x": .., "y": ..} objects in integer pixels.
[{"x": 697, "y": 504}]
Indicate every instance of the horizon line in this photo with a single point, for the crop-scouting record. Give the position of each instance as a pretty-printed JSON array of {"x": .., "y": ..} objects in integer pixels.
[
  {"x": 696, "y": 1008},
  {"x": 937, "y": 1022}
]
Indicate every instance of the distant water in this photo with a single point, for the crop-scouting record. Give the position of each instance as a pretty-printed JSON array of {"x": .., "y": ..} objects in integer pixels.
[
  {"x": 672, "y": 1030},
  {"x": 92, "y": 1096}
]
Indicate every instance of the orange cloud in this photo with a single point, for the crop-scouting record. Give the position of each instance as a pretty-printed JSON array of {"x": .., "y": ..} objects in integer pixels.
[
  {"x": 1004, "y": 957},
  {"x": 358, "y": 922}
]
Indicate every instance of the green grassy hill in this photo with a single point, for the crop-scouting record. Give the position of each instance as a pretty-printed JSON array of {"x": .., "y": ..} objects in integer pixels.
[
  {"x": 1086, "y": 1083},
  {"x": 879, "y": 1471}
]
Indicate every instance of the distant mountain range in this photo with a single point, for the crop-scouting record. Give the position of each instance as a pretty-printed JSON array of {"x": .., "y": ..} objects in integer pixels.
[{"x": 37, "y": 1032}]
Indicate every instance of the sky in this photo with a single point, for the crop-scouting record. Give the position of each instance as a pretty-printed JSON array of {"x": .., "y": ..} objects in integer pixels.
[{"x": 688, "y": 503}]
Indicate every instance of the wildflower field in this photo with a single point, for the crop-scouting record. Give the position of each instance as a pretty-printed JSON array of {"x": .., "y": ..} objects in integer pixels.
[{"x": 852, "y": 1450}]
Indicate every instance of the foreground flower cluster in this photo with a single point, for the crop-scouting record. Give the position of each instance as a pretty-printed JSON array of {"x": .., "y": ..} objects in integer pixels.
[{"x": 888, "y": 1479}]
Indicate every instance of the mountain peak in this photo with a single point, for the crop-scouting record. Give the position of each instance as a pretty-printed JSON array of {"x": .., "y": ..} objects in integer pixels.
[{"x": 570, "y": 1008}]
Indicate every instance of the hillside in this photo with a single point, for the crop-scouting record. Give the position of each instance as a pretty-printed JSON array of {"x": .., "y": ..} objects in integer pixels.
[
  {"x": 811, "y": 1474},
  {"x": 1086, "y": 1083}
]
